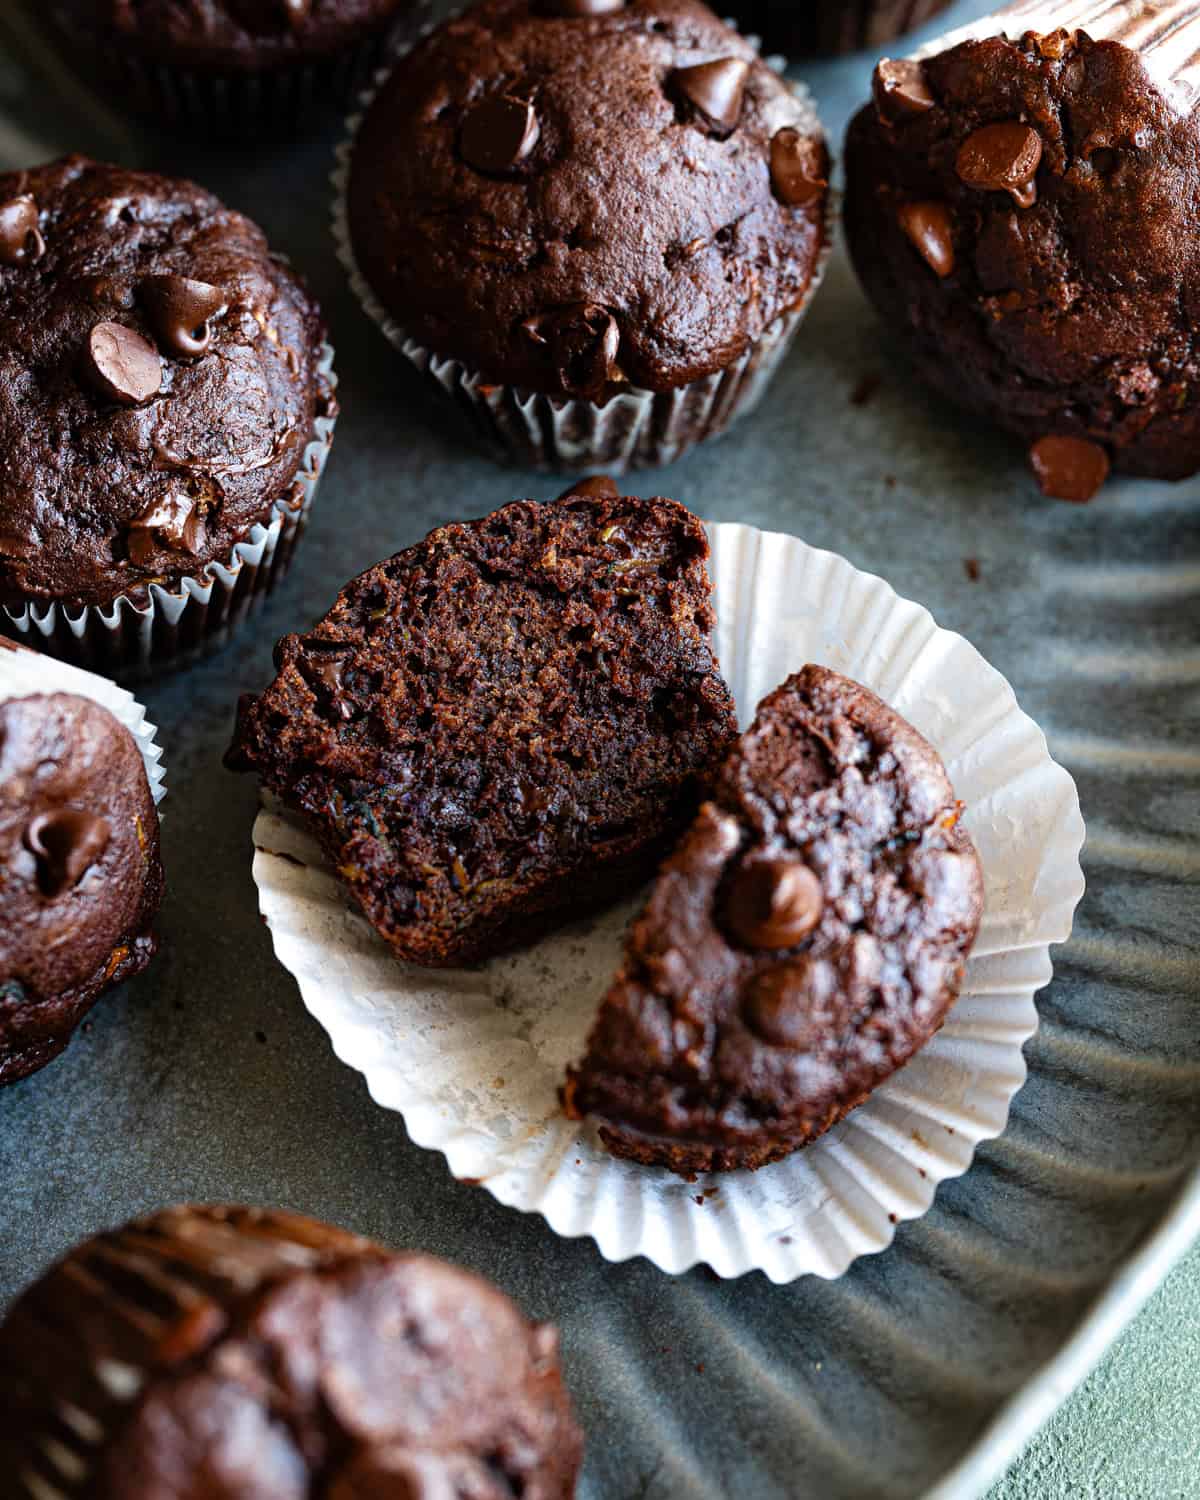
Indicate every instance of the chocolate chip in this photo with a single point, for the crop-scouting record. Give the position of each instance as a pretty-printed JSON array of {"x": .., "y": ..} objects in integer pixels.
[
  {"x": 1002, "y": 158},
  {"x": 783, "y": 1003},
  {"x": 179, "y": 310},
  {"x": 581, "y": 7},
  {"x": 798, "y": 167},
  {"x": 171, "y": 521},
  {"x": 929, "y": 227},
  {"x": 773, "y": 903},
  {"x": 321, "y": 666},
  {"x": 20, "y": 240},
  {"x": 1069, "y": 468},
  {"x": 596, "y": 487},
  {"x": 499, "y": 134},
  {"x": 899, "y": 90},
  {"x": 65, "y": 843},
  {"x": 714, "y": 91},
  {"x": 121, "y": 364},
  {"x": 582, "y": 340}
]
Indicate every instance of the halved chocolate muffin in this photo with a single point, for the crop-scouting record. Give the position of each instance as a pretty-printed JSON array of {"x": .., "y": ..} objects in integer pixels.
[
  {"x": 252, "y": 1354},
  {"x": 506, "y": 723},
  {"x": 806, "y": 938},
  {"x": 80, "y": 873}
]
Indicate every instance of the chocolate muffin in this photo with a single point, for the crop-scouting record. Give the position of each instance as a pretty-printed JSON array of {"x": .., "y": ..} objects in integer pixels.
[
  {"x": 596, "y": 224},
  {"x": 1018, "y": 210},
  {"x": 241, "y": 1354},
  {"x": 80, "y": 874},
  {"x": 806, "y": 938},
  {"x": 502, "y": 725},
  {"x": 227, "y": 66},
  {"x": 799, "y": 27},
  {"x": 165, "y": 391}
]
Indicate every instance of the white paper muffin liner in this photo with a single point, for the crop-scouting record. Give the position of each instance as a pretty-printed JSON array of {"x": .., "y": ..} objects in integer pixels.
[
  {"x": 473, "y": 1059},
  {"x": 634, "y": 429},
  {"x": 168, "y": 627},
  {"x": 25, "y": 674}
]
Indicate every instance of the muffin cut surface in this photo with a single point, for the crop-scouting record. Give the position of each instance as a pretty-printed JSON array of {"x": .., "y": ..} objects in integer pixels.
[
  {"x": 507, "y": 722},
  {"x": 806, "y": 938}
]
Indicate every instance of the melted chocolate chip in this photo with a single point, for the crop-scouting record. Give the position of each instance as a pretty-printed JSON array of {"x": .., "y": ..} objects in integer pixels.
[
  {"x": 66, "y": 843},
  {"x": 782, "y": 1003},
  {"x": 583, "y": 340},
  {"x": 713, "y": 91},
  {"x": 322, "y": 666},
  {"x": 1002, "y": 158},
  {"x": 21, "y": 242},
  {"x": 121, "y": 364},
  {"x": 929, "y": 228},
  {"x": 1069, "y": 468},
  {"x": 596, "y": 487},
  {"x": 773, "y": 903},
  {"x": 498, "y": 134},
  {"x": 179, "y": 310},
  {"x": 581, "y": 7},
  {"x": 797, "y": 167},
  {"x": 899, "y": 90},
  {"x": 171, "y": 521}
]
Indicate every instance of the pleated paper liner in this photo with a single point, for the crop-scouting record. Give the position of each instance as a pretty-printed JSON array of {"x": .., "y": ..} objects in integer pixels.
[
  {"x": 134, "y": 638},
  {"x": 473, "y": 1059},
  {"x": 631, "y": 430},
  {"x": 26, "y": 674}
]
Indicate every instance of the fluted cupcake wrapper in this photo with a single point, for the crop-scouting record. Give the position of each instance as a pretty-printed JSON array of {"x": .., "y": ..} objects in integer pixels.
[
  {"x": 633, "y": 429},
  {"x": 280, "y": 101},
  {"x": 137, "y": 638},
  {"x": 26, "y": 674},
  {"x": 474, "y": 1059}
]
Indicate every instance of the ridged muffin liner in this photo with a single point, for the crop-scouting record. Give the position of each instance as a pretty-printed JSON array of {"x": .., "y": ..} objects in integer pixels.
[
  {"x": 27, "y": 674},
  {"x": 226, "y": 103},
  {"x": 473, "y": 1059},
  {"x": 171, "y": 626},
  {"x": 633, "y": 429}
]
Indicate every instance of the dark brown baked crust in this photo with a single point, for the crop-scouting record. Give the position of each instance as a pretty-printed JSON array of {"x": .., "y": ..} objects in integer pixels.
[
  {"x": 107, "y": 488},
  {"x": 629, "y": 204},
  {"x": 798, "y": 27},
  {"x": 738, "y": 1029},
  {"x": 244, "y": 35},
  {"x": 80, "y": 873},
  {"x": 1074, "y": 314},
  {"x": 509, "y": 721},
  {"x": 250, "y": 1354}
]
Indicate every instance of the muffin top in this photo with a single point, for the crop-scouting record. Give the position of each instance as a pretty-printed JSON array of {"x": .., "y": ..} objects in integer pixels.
[
  {"x": 268, "y": 1356},
  {"x": 79, "y": 864},
  {"x": 575, "y": 195},
  {"x": 249, "y": 34},
  {"x": 806, "y": 938},
  {"x": 158, "y": 380}
]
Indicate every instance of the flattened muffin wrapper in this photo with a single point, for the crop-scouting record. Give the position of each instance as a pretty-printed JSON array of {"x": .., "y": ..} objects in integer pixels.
[
  {"x": 172, "y": 625},
  {"x": 27, "y": 674},
  {"x": 474, "y": 1059},
  {"x": 225, "y": 103},
  {"x": 634, "y": 429}
]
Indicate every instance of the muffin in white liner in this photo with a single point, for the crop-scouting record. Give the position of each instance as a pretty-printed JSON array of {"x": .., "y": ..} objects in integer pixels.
[
  {"x": 635, "y": 428},
  {"x": 474, "y": 1059},
  {"x": 167, "y": 627},
  {"x": 24, "y": 674}
]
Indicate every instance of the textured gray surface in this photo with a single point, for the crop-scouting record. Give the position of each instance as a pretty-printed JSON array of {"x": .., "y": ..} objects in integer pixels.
[{"x": 207, "y": 1079}]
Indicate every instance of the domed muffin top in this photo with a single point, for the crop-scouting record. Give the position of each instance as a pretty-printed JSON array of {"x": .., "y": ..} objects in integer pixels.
[
  {"x": 79, "y": 862},
  {"x": 158, "y": 380},
  {"x": 575, "y": 195}
]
